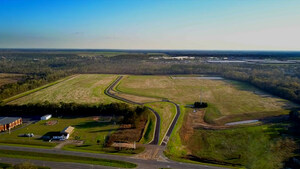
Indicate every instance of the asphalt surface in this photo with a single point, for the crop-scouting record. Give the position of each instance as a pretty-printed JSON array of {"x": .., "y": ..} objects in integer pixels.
[
  {"x": 142, "y": 163},
  {"x": 169, "y": 132}
]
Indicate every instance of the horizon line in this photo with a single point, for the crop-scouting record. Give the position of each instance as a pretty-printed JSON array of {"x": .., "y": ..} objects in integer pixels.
[{"x": 229, "y": 50}]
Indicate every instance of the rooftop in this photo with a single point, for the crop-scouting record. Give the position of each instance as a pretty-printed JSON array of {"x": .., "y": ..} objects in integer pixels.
[
  {"x": 68, "y": 130},
  {"x": 7, "y": 120}
]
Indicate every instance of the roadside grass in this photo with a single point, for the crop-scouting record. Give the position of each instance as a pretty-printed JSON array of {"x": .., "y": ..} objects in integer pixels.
[
  {"x": 226, "y": 97},
  {"x": 83, "y": 88},
  {"x": 65, "y": 158},
  {"x": 86, "y": 129},
  {"x": 104, "y": 150},
  {"x": 167, "y": 112},
  {"x": 149, "y": 129},
  {"x": 22, "y": 166},
  {"x": 175, "y": 146},
  {"x": 18, "y": 96},
  {"x": 26, "y": 143}
]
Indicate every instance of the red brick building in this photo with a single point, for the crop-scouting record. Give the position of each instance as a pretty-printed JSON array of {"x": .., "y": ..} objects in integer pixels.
[{"x": 7, "y": 123}]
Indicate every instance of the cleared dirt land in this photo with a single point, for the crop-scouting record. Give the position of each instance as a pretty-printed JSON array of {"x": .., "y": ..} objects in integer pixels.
[
  {"x": 225, "y": 97},
  {"x": 6, "y": 78},
  {"x": 85, "y": 88}
]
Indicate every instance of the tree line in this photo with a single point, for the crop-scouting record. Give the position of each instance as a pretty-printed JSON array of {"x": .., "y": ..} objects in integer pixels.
[
  {"x": 41, "y": 68},
  {"x": 129, "y": 114}
]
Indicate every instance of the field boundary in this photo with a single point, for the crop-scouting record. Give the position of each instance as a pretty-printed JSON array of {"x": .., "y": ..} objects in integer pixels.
[{"x": 23, "y": 94}]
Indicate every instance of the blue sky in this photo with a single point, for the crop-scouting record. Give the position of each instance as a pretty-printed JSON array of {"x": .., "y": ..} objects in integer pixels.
[{"x": 151, "y": 24}]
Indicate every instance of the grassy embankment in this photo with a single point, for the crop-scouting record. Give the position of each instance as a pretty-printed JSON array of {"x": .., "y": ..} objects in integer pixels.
[
  {"x": 167, "y": 112},
  {"x": 148, "y": 133},
  {"x": 83, "y": 88},
  {"x": 65, "y": 158}
]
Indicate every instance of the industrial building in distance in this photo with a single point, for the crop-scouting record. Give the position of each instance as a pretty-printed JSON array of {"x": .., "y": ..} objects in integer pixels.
[{"x": 7, "y": 123}]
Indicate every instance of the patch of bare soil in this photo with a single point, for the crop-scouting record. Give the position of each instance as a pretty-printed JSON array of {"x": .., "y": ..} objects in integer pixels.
[
  {"x": 51, "y": 123},
  {"x": 127, "y": 134},
  {"x": 194, "y": 120},
  {"x": 152, "y": 152},
  {"x": 68, "y": 142}
]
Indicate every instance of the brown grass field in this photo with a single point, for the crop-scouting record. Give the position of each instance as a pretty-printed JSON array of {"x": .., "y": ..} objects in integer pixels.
[
  {"x": 6, "y": 78},
  {"x": 84, "y": 88},
  {"x": 225, "y": 97}
]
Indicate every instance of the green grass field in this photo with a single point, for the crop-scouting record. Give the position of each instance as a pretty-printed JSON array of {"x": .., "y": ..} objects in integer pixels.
[
  {"x": 175, "y": 145},
  {"x": 149, "y": 129},
  {"x": 65, "y": 158},
  {"x": 253, "y": 146},
  {"x": 258, "y": 146},
  {"x": 167, "y": 112},
  {"x": 84, "y": 88},
  {"x": 86, "y": 129},
  {"x": 226, "y": 97}
]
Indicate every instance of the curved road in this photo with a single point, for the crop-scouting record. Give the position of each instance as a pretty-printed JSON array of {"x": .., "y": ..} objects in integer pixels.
[
  {"x": 157, "y": 127},
  {"x": 171, "y": 128},
  {"x": 110, "y": 88}
]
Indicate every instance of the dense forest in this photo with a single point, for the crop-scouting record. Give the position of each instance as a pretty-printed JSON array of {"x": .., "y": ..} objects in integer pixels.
[{"x": 45, "y": 66}]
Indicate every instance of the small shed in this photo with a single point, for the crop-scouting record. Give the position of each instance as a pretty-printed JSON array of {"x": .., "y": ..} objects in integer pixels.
[
  {"x": 46, "y": 117},
  {"x": 67, "y": 131}
]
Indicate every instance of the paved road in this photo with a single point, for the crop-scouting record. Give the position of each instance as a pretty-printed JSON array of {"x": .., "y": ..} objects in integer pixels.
[
  {"x": 108, "y": 92},
  {"x": 157, "y": 127},
  {"x": 142, "y": 163},
  {"x": 170, "y": 130}
]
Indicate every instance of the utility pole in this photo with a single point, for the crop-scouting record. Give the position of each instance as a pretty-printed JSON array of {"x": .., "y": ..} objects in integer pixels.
[{"x": 200, "y": 96}]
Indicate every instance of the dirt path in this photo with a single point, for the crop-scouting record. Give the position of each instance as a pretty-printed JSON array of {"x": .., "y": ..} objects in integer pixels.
[
  {"x": 196, "y": 119},
  {"x": 66, "y": 142},
  {"x": 152, "y": 152}
]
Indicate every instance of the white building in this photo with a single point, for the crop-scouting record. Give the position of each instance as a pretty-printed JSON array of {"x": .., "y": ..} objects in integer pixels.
[
  {"x": 66, "y": 132},
  {"x": 46, "y": 117}
]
